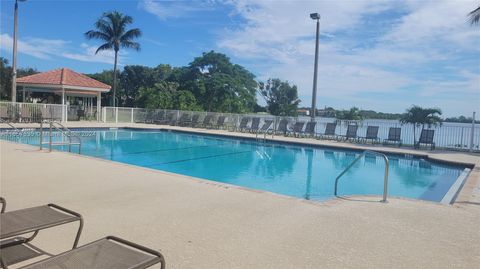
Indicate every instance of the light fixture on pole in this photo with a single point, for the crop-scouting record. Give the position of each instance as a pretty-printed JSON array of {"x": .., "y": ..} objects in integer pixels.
[
  {"x": 14, "y": 57},
  {"x": 315, "y": 16}
]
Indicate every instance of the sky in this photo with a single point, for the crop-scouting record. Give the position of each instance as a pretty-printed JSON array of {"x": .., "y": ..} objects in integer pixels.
[{"x": 380, "y": 55}]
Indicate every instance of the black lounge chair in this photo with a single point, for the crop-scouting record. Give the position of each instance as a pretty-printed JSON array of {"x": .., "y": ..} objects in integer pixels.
[
  {"x": 265, "y": 127},
  {"x": 394, "y": 136},
  {"x": 351, "y": 133},
  {"x": 243, "y": 124},
  {"x": 282, "y": 127},
  {"x": 170, "y": 119},
  {"x": 194, "y": 121},
  {"x": 297, "y": 128},
  {"x": 309, "y": 129},
  {"x": 426, "y": 138},
  {"x": 329, "y": 131},
  {"x": 372, "y": 134},
  {"x": 108, "y": 252},
  {"x": 254, "y": 126},
  {"x": 185, "y": 119},
  {"x": 207, "y": 121},
  {"x": 220, "y": 122}
]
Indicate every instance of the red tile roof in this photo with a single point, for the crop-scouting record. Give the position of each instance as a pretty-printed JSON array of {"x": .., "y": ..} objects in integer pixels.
[{"x": 63, "y": 76}]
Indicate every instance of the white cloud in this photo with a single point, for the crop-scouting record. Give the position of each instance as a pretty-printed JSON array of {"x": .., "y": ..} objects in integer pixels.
[
  {"x": 418, "y": 48},
  {"x": 173, "y": 9},
  {"x": 36, "y": 47},
  {"x": 49, "y": 49}
]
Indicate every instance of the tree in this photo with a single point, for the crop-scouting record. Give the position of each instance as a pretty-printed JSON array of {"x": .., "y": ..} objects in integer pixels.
[
  {"x": 474, "y": 16},
  {"x": 5, "y": 79},
  {"x": 111, "y": 28},
  {"x": 351, "y": 114},
  {"x": 166, "y": 95},
  {"x": 219, "y": 85},
  {"x": 281, "y": 97},
  {"x": 418, "y": 116}
]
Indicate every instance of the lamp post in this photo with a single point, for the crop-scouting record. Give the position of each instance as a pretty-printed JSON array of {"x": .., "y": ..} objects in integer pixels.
[
  {"x": 14, "y": 58},
  {"x": 315, "y": 16}
]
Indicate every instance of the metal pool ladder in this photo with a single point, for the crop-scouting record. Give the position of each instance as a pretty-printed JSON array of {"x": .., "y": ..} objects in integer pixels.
[
  {"x": 385, "y": 177},
  {"x": 65, "y": 131}
]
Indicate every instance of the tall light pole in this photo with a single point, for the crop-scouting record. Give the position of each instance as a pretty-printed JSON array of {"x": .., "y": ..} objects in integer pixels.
[
  {"x": 14, "y": 57},
  {"x": 315, "y": 16}
]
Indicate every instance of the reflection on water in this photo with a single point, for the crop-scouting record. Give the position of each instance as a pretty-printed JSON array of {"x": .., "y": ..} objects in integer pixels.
[{"x": 281, "y": 168}]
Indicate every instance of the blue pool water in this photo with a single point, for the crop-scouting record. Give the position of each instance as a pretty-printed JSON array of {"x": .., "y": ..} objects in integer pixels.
[{"x": 299, "y": 171}]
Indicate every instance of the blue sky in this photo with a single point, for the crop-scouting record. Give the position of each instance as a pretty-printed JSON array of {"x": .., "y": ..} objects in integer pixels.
[{"x": 382, "y": 55}]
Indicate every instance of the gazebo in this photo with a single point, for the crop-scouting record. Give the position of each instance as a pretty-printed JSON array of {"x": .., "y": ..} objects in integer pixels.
[{"x": 64, "y": 82}]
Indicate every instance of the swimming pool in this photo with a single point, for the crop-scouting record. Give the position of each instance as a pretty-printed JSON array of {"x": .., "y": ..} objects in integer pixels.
[{"x": 295, "y": 170}]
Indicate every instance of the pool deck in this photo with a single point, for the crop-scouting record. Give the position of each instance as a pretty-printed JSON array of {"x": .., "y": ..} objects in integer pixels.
[{"x": 203, "y": 224}]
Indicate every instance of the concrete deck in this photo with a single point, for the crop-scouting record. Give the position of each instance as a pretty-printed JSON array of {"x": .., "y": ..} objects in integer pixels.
[{"x": 202, "y": 224}]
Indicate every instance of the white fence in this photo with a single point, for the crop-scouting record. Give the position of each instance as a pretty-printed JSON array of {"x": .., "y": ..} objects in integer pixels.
[{"x": 456, "y": 136}]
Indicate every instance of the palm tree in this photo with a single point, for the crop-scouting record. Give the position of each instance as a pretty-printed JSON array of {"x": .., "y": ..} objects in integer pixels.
[
  {"x": 474, "y": 16},
  {"x": 418, "y": 116},
  {"x": 111, "y": 28}
]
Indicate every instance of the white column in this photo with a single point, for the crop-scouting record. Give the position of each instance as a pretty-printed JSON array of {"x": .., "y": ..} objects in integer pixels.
[
  {"x": 99, "y": 104},
  {"x": 63, "y": 105}
]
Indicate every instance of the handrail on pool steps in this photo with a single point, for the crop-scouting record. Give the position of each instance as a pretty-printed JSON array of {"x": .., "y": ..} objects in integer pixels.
[{"x": 385, "y": 177}]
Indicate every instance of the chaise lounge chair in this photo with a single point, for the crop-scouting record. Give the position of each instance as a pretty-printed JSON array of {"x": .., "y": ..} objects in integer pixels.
[
  {"x": 372, "y": 135},
  {"x": 17, "y": 223},
  {"x": 243, "y": 124},
  {"x": 309, "y": 129},
  {"x": 220, "y": 122},
  {"x": 254, "y": 126},
  {"x": 394, "y": 136},
  {"x": 207, "y": 121},
  {"x": 108, "y": 252},
  {"x": 297, "y": 128},
  {"x": 329, "y": 131},
  {"x": 282, "y": 127},
  {"x": 185, "y": 119},
  {"x": 265, "y": 127},
  {"x": 426, "y": 138},
  {"x": 351, "y": 133}
]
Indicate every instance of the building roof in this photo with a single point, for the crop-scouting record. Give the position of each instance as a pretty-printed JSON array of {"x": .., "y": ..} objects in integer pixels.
[{"x": 63, "y": 77}]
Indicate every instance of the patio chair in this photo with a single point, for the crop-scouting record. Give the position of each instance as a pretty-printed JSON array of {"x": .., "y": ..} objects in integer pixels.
[
  {"x": 243, "y": 124},
  {"x": 254, "y": 126},
  {"x": 220, "y": 122},
  {"x": 372, "y": 135},
  {"x": 195, "y": 119},
  {"x": 309, "y": 129},
  {"x": 329, "y": 131},
  {"x": 297, "y": 128},
  {"x": 26, "y": 114},
  {"x": 265, "y": 127},
  {"x": 170, "y": 119},
  {"x": 15, "y": 224},
  {"x": 282, "y": 127},
  {"x": 207, "y": 121},
  {"x": 184, "y": 120},
  {"x": 394, "y": 136},
  {"x": 3, "y": 112},
  {"x": 351, "y": 133},
  {"x": 108, "y": 252},
  {"x": 426, "y": 138}
]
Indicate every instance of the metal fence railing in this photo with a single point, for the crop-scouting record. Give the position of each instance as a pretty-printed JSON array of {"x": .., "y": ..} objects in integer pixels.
[
  {"x": 457, "y": 136},
  {"x": 30, "y": 112}
]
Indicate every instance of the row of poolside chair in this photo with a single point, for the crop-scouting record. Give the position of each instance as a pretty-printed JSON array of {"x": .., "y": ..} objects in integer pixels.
[
  {"x": 299, "y": 128},
  {"x": 109, "y": 252},
  {"x": 307, "y": 129}
]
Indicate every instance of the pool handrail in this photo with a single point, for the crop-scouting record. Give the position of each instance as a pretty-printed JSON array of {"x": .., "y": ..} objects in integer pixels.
[{"x": 385, "y": 177}]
